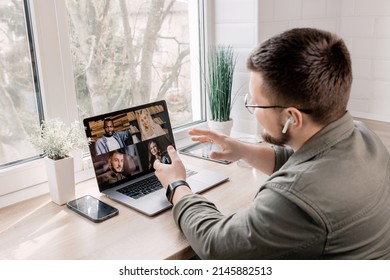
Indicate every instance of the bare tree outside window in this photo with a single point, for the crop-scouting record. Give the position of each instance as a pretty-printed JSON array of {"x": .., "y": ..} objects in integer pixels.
[
  {"x": 127, "y": 53},
  {"x": 124, "y": 53}
]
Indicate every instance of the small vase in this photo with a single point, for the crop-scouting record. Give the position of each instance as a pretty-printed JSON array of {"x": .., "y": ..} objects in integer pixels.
[
  {"x": 60, "y": 174},
  {"x": 221, "y": 127}
]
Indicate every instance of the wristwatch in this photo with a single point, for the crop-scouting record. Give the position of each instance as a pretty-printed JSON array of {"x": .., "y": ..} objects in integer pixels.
[{"x": 172, "y": 186}]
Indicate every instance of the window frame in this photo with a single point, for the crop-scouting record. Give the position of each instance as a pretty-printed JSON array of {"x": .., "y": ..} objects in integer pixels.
[{"x": 52, "y": 48}]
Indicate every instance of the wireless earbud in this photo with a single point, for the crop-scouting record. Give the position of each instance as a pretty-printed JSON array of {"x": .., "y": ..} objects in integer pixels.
[{"x": 285, "y": 127}]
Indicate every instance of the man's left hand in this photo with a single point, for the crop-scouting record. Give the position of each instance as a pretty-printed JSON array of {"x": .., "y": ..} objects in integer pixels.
[{"x": 168, "y": 173}]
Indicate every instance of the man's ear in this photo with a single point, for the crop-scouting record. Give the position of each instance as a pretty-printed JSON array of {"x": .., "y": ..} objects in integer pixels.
[{"x": 294, "y": 118}]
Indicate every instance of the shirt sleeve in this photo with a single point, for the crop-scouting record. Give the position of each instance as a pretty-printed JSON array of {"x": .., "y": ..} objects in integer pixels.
[
  {"x": 282, "y": 154},
  {"x": 99, "y": 147},
  {"x": 124, "y": 135},
  {"x": 272, "y": 227}
]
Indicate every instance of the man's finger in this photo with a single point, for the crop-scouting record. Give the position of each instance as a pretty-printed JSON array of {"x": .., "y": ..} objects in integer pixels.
[
  {"x": 216, "y": 155},
  {"x": 201, "y": 139},
  {"x": 202, "y": 135},
  {"x": 199, "y": 132},
  {"x": 157, "y": 164},
  {"x": 172, "y": 153}
]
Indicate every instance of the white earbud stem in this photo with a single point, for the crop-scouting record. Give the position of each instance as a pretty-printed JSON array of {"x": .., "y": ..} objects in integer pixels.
[{"x": 288, "y": 122}]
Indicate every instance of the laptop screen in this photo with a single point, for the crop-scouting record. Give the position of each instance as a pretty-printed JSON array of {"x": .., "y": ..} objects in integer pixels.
[{"x": 124, "y": 144}]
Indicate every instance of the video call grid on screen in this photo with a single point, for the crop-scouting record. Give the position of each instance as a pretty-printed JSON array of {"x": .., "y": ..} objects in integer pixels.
[{"x": 134, "y": 147}]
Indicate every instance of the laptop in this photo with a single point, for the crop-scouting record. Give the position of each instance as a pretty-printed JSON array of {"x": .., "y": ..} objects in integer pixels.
[{"x": 124, "y": 145}]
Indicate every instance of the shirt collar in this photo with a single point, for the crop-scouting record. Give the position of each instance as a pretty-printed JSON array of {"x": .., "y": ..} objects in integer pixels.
[{"x": 327, "y": 137}]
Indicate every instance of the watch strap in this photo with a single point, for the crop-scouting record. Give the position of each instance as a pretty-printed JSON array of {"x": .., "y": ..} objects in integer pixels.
[{"x": 172, "y": 187}]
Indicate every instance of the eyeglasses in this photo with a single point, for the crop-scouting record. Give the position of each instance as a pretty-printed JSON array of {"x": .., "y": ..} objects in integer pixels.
[{"x": 251, "y": 108}]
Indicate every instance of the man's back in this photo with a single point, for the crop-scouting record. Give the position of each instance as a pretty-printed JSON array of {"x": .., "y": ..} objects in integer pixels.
[
  {"x": 344, "y": 184},
  {"x": 328, "y": 196}
]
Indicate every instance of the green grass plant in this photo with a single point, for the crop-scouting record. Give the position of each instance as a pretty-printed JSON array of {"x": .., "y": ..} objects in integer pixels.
[{"x": 221, "y": 64}]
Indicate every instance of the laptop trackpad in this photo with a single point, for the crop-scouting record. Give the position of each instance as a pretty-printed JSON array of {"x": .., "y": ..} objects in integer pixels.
[{"x": 196, "y": 185}]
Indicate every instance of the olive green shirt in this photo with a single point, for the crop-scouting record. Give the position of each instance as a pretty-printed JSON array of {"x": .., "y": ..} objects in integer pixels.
[{"x": 328, "y": 200}]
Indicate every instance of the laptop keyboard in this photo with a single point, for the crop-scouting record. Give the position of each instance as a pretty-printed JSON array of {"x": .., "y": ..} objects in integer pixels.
[
  {"x": 141, "y": 188},
  {"x": 146, "y": 186}
]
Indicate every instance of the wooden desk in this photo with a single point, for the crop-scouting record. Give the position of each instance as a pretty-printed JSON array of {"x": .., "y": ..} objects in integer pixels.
[{"x": 40, "y": 229}]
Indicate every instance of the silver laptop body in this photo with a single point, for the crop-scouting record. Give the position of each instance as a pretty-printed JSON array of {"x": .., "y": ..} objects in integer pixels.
[{"x": 118, "y": 137}]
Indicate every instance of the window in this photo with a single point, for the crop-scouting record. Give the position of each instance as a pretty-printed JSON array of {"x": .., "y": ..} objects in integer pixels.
[
  {"x": 126, "y": 53},
  {"x": 92, "y": 57},
  {"x": 20, "y": 105}
]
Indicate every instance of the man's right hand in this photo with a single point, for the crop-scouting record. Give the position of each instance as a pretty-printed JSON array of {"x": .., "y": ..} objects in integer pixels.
[{"x": 230, "y": 148}]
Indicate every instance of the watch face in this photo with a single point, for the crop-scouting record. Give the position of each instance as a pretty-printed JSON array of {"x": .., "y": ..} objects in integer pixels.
[{"x": 172, "y": 186}]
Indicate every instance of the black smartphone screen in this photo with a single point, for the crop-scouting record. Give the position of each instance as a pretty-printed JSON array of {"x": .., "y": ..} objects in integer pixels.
[{"x": 92, "y": 208}]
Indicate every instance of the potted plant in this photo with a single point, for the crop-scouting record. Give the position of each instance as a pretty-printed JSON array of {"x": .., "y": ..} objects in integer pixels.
[
  {"x": 221, "y": 64},
  {"x": 56, "y": 141}
]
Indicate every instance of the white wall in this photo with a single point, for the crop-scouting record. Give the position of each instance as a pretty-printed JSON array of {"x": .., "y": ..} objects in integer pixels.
[
  {"x": 363, "y": 24},
  {"x": 235, "y": 22}
]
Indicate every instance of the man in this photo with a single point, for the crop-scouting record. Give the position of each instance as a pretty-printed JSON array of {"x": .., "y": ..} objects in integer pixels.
[
  {"x": 113, "y": 140},
  {"x": 115, "y": 164},
  {"x": 328, "y": 194}
]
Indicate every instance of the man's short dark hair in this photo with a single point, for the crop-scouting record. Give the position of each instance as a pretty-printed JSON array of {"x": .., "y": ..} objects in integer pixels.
[
  {"x": 119, "y": 152},
  {"x": 306, "y": 68},
  {"x": 106, "y": 120}
]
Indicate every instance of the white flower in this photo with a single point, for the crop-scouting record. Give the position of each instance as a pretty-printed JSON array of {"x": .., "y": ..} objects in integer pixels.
[{"x": 56, "y": 140}]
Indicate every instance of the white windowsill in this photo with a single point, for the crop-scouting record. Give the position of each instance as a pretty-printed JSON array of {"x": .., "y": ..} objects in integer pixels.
[{"x": 39, "y": 185}]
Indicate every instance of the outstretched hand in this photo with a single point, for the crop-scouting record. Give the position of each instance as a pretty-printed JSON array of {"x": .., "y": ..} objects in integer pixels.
[{"x": 229, "y": 147}]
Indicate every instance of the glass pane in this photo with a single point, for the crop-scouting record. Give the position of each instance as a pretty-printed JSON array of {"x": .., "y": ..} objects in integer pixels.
[
  {"x": 126, "y": 53},
  {"x": 18, "y": 103}
]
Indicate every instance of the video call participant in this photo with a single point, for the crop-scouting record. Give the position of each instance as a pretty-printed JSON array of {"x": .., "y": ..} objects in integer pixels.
[
  {"x": 115, "y": 168},
  {"x": 112, "y": 140},
  {"x": 149, "y": 128},
  {"x": 155, "y": 152}
]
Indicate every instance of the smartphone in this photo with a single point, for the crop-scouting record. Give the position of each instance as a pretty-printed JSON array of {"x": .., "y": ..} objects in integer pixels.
[{"x": 92, "y": 208}]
